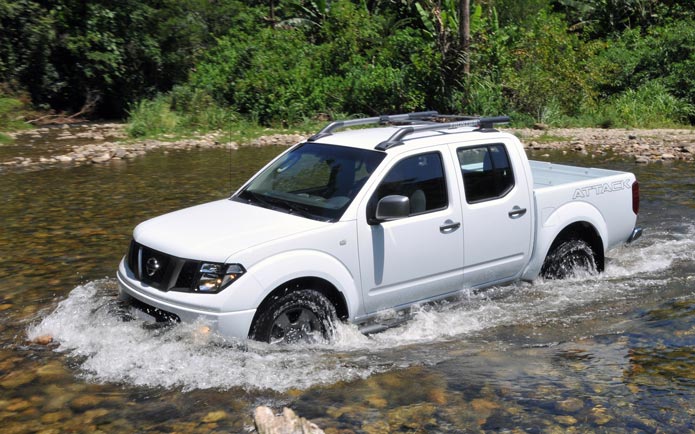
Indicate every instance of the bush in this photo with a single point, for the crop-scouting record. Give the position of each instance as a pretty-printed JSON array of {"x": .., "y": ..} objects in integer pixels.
[
  {"x": 198, "y": 110},
  {"x": 649, "y": 106},
  {"x": 550, "y": 77},
  {"x": 287, "y": 75},
  {"x": 485, "y": 97},
  {"x": 8, "y": 113},
  {"x": 152, "y": 117}
]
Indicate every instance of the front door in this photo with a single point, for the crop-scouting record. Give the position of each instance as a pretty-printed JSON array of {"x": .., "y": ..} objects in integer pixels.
[{"x": 420, "y": 256}]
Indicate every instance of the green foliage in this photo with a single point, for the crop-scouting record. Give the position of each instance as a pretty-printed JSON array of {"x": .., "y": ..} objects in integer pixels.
[
  {"x": 550, "y": 76},
  {"x": 269, "y": 76},
  {"x": 8, "y": 113},
  {"x": 602, "y": 18},
  {"x": 649, "y": 106},
  {"x": 27, "y": 35},
  {"x": 198, "y": 110},
  {"x": 664, "y": 53},
  {"x": 311, "y": 14},
  {"x": 200, "y": 64},
  {"x": 180, "y": 112},
  {"x": 152, "y": 117},
  {"x": 279, "y": 76},
  {"x": 13, "y": 111}
]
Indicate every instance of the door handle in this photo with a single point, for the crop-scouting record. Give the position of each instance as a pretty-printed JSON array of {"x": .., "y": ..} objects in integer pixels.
[
  {"x": 449, "y": 226},
  {"x": 517, "y": 212}
]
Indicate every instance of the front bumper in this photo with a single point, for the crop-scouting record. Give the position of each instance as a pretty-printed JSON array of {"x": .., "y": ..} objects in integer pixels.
[{"x": 234, "y": 324}]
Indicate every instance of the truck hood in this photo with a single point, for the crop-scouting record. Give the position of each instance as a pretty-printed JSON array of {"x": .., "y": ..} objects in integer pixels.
[{"x": 214, "y": 231}]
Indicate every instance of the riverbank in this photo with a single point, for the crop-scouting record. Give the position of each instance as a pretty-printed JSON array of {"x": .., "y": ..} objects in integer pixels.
[
  {"x": 103, "y": 143},
  {"x": 644, "y": 146}
]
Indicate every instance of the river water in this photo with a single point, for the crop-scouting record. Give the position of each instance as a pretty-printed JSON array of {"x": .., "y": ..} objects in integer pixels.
[{"x": 608, "y": 353}]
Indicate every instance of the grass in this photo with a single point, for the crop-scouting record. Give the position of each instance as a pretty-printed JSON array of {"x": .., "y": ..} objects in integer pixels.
[
  {"x": 187, "y": 112},
  {"x": 5, "y": 139},
  {"x": 152, "y": 118},
  {"x": 156, "y": 118},
  {"x": 550, "y": 138},
  {"x": 12, "y": 113}
]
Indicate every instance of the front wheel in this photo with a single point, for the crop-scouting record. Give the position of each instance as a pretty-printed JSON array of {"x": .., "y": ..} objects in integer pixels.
[
  {"x": 304, "y": 316},
  {"x": 568, "y": 258}
]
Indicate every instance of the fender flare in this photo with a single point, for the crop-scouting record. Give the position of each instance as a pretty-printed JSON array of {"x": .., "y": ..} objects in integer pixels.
[
  {"x": 552, "y": 225},
  {"x": 274, "y": 272}
]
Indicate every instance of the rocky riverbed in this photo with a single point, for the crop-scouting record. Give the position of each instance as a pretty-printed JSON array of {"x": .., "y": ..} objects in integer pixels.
[
  {"x": 645, "y": 146},
  {"x": 103, "y": 143}
]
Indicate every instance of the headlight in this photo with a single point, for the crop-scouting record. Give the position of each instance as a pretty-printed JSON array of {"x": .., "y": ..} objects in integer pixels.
[{"x": 215, "y": 277}]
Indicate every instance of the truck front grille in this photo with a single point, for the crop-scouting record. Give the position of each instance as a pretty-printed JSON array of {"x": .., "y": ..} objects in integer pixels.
[{"x": 160, "y": 270}]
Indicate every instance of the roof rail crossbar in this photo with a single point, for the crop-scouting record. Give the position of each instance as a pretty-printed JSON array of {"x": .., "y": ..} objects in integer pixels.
[
  {"x": 328, "y": 129},
  {"x": 482, "y": 123}
]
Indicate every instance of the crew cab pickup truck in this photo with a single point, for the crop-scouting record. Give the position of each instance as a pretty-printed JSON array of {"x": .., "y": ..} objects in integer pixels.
[{"x": 356, "y": 222}]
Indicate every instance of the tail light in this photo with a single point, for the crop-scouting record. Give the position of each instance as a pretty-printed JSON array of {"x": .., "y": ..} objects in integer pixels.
[{"x": 635, "y": 197}]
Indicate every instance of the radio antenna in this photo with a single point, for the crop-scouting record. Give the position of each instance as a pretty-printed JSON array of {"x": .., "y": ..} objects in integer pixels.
[{"x": 229, "y": 144}]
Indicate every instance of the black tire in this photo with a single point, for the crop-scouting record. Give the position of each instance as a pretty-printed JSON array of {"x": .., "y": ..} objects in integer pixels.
[
  {"x": 567, "y": 258},
  {"x": 303, "y": 316}
]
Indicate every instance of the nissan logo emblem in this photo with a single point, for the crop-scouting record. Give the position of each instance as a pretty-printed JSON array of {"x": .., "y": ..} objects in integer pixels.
[{"x": 152, "y": 266}]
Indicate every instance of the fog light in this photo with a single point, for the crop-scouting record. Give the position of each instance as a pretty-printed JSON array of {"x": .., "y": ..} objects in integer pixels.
[{"x": 216, "y": 277}]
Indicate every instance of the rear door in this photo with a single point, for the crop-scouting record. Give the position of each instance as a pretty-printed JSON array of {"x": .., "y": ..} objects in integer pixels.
[
  {"x": 497, "y": 213},
  {"x": 420, "y": 256}
]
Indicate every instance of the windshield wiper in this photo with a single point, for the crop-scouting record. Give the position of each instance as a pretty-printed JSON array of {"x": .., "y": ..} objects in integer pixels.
[
  {"x": 302, "y": 210},
  {"x": 278, "y": 204},
  {"x": 263, "y": 201}
]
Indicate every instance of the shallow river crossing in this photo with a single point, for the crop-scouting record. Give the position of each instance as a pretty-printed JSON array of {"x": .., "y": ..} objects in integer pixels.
[{"x": 608, "y": 353}]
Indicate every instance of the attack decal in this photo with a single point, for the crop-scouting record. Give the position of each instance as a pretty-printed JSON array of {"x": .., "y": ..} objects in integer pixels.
[{"x": 598, "y": 189}]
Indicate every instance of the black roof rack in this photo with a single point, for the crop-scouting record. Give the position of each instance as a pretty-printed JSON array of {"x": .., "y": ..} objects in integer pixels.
[
  {"x": 482, "y": 123},
  {"x": 417, "y": 121},
  {"x": 328, "y": 129}
]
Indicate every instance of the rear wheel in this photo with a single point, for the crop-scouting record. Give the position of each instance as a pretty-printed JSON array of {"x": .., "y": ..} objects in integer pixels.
[
  {"x": 568, "y": 258},
  {"x": 303, "y": 316}
]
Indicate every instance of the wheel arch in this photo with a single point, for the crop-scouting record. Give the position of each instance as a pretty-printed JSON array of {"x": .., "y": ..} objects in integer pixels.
[
  {"x": 581, "y": 230},
  {"x": 324, "y": 287}
]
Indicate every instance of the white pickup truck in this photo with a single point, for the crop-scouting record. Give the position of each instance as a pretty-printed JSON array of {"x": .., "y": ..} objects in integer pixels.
[{"x": 351, "y": 224}]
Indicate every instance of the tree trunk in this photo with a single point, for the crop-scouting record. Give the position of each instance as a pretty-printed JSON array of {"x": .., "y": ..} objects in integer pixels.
[{"x": 465, "y": 33}]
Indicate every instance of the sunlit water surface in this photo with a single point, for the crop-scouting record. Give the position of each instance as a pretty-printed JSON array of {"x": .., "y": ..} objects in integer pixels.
[{"x": 614, "y": 352}]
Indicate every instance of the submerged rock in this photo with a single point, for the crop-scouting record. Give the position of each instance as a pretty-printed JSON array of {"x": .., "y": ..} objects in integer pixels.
[
  {"x": 14, "y": 380},
  {"x": 287, "y": 423},
  {"x": 42, "y": 340},
  {"x": 215, "y": 416},
  {"x": 570, "y": 405}
]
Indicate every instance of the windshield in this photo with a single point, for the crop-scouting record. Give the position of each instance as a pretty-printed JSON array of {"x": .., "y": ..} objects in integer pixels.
[{"x": 313, "y": 180}]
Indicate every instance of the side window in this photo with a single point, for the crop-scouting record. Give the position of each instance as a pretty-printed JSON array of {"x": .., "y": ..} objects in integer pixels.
[
  {"x": 421, "y": 179},
  {"x": 487, "y": 172}
]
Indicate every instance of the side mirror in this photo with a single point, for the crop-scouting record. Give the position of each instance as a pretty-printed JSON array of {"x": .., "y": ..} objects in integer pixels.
[{"x": 392, "y": 207}]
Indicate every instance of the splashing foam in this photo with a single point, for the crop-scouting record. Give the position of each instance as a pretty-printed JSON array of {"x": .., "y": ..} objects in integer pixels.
[{"x": 187, "y": 356}]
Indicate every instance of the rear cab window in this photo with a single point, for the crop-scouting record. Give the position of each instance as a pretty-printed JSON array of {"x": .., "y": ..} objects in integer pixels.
[{"x": 487, "y": 172}]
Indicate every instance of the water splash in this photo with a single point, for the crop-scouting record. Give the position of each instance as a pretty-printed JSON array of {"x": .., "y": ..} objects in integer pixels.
[
  {"x": 88, "y": 326},
  {"x": 188, "y": 356}
]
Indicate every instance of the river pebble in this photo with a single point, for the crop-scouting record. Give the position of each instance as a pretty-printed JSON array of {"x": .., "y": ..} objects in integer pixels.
[
  {"x": 570, "y": 405},
  {"x": 214, "y": 416},
  {"x": 286, "y": 423},
  {"x": 85, "y": 402},
  {"x": 14, "y": 380}
]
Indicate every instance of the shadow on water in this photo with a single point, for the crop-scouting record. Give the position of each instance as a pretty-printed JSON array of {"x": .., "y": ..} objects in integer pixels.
[{"x": 595, "y": 353}]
